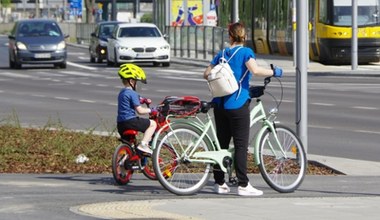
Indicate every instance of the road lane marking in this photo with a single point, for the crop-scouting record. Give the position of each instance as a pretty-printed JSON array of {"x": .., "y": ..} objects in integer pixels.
[
  {"x": 81, "y": 66},
  {"x": 176, "y": 71},
  {"x": 15, "y": 75},
  {"x": 365, "y": 107},
  {"x": 186, "y": 79},
  {"x": 322, "y": 104},
  {"x": 370, "y": 132},
  {"x": 86, "y": 101},
  {"x": 76, "y": 73},
  {"x": 62, "y": 98}
]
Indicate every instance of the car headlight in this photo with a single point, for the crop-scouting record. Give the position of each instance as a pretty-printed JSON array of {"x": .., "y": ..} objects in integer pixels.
[
  {"x": 165, "y": 47},
  {"x": 20, "y": 46},
  {"x": 61, "y": 45}
]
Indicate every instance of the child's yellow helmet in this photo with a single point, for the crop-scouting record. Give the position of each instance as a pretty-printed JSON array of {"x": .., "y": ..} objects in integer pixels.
[{"x": 131, "y": 71}]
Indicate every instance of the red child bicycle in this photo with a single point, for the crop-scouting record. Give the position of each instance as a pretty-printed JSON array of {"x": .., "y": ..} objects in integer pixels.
[{"x": 127, "y": 159}]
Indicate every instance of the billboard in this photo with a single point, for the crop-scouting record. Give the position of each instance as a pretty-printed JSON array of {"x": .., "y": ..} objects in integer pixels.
[{"x": 192, "y": 16}]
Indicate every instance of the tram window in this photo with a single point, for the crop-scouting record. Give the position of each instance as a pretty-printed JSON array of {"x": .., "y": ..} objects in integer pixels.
[{"x": 323, "y": 12}]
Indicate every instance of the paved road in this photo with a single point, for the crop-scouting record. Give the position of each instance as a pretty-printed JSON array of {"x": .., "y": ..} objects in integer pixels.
[{"x": 78, "y": 196}]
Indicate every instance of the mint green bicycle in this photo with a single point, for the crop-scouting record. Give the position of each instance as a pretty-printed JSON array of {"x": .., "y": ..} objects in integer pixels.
[{"x": 278, "y": 152}]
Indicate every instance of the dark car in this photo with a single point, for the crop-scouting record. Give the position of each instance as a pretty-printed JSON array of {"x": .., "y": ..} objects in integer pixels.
[
  {"x": 99, "y": 38},
  {"x": 37, "y": 41}
]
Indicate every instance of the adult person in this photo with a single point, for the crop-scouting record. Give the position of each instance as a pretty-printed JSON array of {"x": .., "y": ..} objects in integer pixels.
[{"x": 232, "y": 111}]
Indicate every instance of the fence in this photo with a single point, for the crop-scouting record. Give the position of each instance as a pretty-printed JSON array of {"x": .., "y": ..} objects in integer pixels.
[{"x": 197, "y": 42}]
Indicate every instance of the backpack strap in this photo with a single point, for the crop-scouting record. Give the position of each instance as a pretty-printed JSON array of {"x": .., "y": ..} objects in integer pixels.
[{"x": 232, "y": 54}]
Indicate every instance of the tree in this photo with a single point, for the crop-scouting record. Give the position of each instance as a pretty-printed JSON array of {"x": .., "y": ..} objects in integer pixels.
[
  {"x": 6, "y": 3},
  {"x": 90, "y": 6}
]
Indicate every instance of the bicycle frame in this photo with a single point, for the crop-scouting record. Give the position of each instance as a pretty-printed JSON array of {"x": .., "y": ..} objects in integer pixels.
[{"x": 216, "y": 155}]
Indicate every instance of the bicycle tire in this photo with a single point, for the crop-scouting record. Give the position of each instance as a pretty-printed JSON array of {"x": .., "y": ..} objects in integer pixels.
[
  {"x": 121, "y": 174},
  {"x": 283, "y": 174},
  {"x": 174, "y": 171},
  {"x": 148, "y": 170}
]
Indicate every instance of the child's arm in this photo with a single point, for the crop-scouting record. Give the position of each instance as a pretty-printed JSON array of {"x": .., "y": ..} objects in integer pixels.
[{"x": 142, "y": 110}]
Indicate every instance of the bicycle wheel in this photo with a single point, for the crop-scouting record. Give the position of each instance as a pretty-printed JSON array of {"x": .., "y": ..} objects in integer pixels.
[
  {"x": 174, "y": 167},
  {"x": 282, "y": 167},
  {"x": 120, "y": 171},
  {"x": 148, "y": 170}
]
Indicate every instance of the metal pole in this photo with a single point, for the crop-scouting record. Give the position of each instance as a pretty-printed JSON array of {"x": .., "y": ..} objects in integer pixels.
[
  {"x": 113, "y": 11},
  {"x": 294, "y": 34},
  {"x": 235, "y": 11},
  {"x": 301, "y": 71},
  {"x": 37, "y": 15},
  {"x": 354, "y": 39}
]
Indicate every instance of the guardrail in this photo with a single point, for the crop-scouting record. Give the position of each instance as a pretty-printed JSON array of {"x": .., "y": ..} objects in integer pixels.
[{"x": 197, "y": 42}]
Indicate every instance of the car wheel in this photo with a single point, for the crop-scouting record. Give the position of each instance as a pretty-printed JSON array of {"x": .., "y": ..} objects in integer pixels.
[
  {"x": 11, "y": 63},
  {"x": 109, "y": 62},
  {"x": 17, "y": 65},
  {"x": 116, "y": 63},
  {"x": 92, "y": 59},
  {"x": 63, "y": 65},
  {"x": 166, "y": 64},
  {"x": 99, "y": 60}
]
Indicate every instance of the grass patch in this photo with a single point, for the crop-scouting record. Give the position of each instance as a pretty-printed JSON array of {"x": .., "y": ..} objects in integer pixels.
[{"x": 53, "y": 149}]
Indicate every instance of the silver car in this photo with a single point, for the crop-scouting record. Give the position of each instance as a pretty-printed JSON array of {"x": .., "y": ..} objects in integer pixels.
[{"x": 37, "y": 41}]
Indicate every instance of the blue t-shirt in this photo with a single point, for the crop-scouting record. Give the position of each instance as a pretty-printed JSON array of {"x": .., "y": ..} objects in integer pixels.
[
  {"x": 127, "y": 101},
  {"x": 237, "y": 63}
]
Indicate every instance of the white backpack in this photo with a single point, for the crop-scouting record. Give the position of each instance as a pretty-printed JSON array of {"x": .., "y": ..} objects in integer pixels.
[{"x": 221, "y": 80}]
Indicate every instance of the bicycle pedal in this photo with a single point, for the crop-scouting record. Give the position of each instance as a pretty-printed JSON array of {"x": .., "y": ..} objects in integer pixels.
[
  {"x": 142, "y": 153},
  {"x": 233, "y": 180}
]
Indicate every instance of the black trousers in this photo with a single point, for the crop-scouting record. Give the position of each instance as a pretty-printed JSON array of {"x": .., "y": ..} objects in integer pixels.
[{"x": 233, "y": 124}]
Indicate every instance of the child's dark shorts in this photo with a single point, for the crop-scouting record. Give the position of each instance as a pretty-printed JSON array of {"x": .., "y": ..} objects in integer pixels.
[{"x": 138, "y": 124}]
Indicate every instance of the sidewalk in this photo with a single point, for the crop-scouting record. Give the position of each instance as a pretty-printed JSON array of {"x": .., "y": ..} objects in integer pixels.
[
  {"x": 352, "y": 196},
  {"x": 288, "y": 65}
]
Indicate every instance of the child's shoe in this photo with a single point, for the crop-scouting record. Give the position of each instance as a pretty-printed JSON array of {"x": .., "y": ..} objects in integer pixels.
[{"x": 145, "y": 149}]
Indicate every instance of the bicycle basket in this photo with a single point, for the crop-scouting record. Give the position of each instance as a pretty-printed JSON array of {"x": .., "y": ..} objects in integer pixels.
[{"x": 179, "y": 106}]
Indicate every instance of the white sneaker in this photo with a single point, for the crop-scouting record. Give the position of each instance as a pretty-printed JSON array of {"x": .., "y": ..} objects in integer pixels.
[
  {"x": 221, "y": 189},
  {"x": 249, "y": 191},
  {"x": 144, "y": 149}
]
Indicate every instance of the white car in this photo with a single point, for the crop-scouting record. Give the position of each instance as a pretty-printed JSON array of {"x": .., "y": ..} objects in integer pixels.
[{"x": 137, "y": 42}]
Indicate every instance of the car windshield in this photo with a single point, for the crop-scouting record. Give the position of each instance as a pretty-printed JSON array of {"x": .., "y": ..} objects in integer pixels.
[
  {"x": 106, "y": 30},
  {"x": 38, "y": 29},
  {"x": 139, "y": 32}
]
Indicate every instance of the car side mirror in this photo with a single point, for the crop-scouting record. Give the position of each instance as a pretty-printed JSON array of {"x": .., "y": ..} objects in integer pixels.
[
  {"x": 11, "y": 37},
  {"x": 93, "y": 34},
  {"x": 66, "y": 36}
]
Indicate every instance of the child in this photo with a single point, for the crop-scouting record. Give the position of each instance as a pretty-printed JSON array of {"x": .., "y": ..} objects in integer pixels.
[{"x": 129, "y": 105}]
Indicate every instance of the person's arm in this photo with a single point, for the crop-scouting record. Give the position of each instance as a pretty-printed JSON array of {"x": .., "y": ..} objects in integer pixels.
[
  {"x": 258, "y": 70},
  {"x": 142, "y": 110},
  {"x": 207, "y": 71}
]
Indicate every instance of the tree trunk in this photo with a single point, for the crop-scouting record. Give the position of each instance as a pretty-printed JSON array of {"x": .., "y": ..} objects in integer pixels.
[{"x": 90, "y": 7}]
